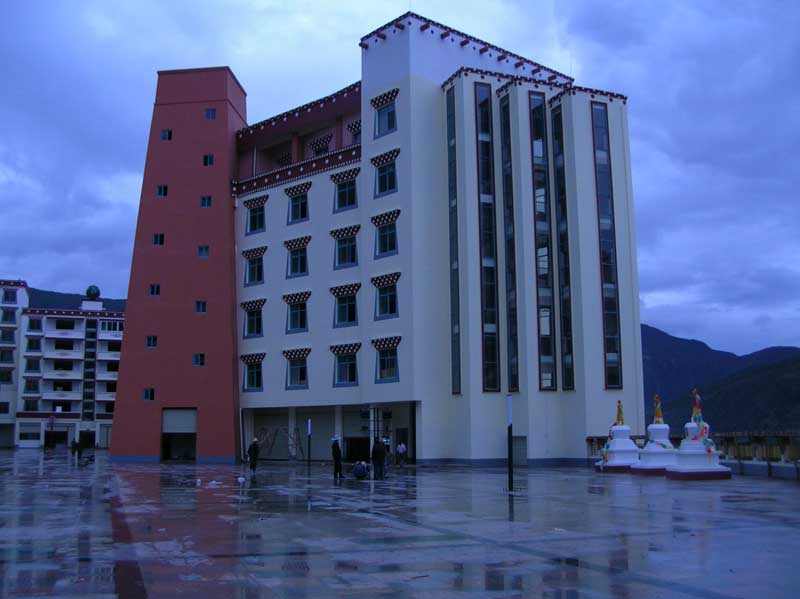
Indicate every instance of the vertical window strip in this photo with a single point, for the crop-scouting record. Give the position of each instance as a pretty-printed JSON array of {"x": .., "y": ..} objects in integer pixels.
[
  {"x": 564, "y": 290},
  {"x": 452, "y": 200},
  {"x": 488, "y": 237},
  {"x": 511, "y": 260},
  {"x": 542, "y": 243},
  {"x": 612, "y": 347}
]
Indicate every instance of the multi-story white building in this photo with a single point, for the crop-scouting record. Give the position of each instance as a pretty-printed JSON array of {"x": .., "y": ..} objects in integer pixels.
[
  {"x": 58, "y": 367},
  {"x": 454, "y": 228}
]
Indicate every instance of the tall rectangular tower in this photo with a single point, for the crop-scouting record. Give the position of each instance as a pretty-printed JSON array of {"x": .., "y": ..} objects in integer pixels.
[{"x": 178, "y": 380}]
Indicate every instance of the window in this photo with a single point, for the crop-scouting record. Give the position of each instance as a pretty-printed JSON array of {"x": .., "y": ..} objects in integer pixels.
[
  {"x": 9, "y": 316},
  {"x": 387, "y": 301},
  {"x": 9, "y": 296},
  {"x": 113, "y": 346},
  {"x": 387, "y": 365},
  {"x": 255, "y": 271},
  {"x": 4, "y": 408},
  {"x": 255, "y": 219},
  {"x": 346, "y": 312},
  {"x": 149, "y": 394},
  {"x": 203, "y": 251},
  {"x": 345, "y": 195},
  {"x": 7, "y": 336},
  {"x": 298, "y": 208},
  {"x": 111, "y": 386},
  {"x": 158, "y": 239},
  {"x": 208, "y": 159},
  {"x": 200, "y": 306},
  {"x": 211, "y": 114},
  {"x": 31, "y": 405},
  {"x": 65, "y": 344},
  {"x": 35, "y": 324},
  {"x": 387, "y": 179},
  {"x": 298, "y": 374},
  {"x": 155, "y": 289},
  {"x": 62, "y": 386},
  {"x": 205, "y": 201},
  {"x": 197, "y": 360},
  {"x": 253, "y": 324},
  {"x": 7, "y": 356},
  {"x": 298, "y": 262},
  {"x": 346, "y": 254},
  {"x": 5, "y": 377},
  {"x": 33, "y": 365},
  {"x": 65, "y": 324},
  {"x": 297, "y": 318},
  {"x": 452, "y": 202},
  {"x": 31, "y": 386},
  {"x": 385, "y": 120},
  {"x": 387, "y": 240},
  {"x": 162, "y": 191},
  {"x": 112, "y": 366},
  {"x": 166, "y": 135},
  {"x": 152, "y": 341},
  {"x": 112, "y": 325},
  {"x": 252, "y": 379},
  {"x": 346, "y": 370}
]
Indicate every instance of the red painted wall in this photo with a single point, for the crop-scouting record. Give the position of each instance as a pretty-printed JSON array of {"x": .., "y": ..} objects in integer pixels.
[{"x": 181, "y": 100}]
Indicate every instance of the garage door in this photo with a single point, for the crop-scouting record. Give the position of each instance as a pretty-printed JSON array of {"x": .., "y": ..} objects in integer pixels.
[{"x": 179, "y": 421}]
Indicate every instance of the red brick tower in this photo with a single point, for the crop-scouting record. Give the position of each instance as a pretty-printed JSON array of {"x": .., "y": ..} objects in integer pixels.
[{"x": 177, "y": 392}]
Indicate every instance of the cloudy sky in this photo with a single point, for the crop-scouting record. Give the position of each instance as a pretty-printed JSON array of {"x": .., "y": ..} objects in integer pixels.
[{"x": 714, "y": 120}]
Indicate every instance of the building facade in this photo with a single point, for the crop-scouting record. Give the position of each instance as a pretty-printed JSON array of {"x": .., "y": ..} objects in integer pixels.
[
  {"x": 59, "y": 360},
  {"x": 392, "y": 261}
]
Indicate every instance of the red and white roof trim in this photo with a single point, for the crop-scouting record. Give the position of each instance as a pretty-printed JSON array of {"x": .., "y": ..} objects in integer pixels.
[
  {"x": 464, "y": 41},
  {"x": 386, "y": 343},
  {"x": 386, "y": 218},
  {"x": 386, "y": 280},
  {"x": 297, "y": 190},
  {"x": 385, "y": 158},
  {"x": 347, "y": 175},
  {"x": 345, "y": 348},
  {"x": 297, "y": 243},
  {"x": 256, "y": 202},
  {"x": 592, "y": 92},
  {"x": 341, "y": 290},
  {"x": 301, "y": 353},
  {"x": 252, "y": 358},
  {"x": 85, "y": 313},
  {"x": 254, "y": 252},
  {"x": 385, "y": 98},
  {"x": 297, "y": 298},
  {"x": 255, "y": 304},
  {"x": 345, "y": 232}
]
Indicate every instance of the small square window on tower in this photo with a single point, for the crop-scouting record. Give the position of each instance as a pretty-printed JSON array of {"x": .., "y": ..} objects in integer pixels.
[
  {"x": 198, "y": 359},
  {"x": 205, "y": 201},
  {"x": 203, "y": 251},
  {"x": 166, "y": 135},
  {"x": 208, "y": 159},
  {"x": 211, "y": 114},
  {"x": 162, "y": 191},
  {"x": 155, "y": 289},
  {"x": 152, "y": 341},
  {"x": 200, "y": 306},
  {"x": 158, "y": 239},
  {"x": 149, "y": 394}
]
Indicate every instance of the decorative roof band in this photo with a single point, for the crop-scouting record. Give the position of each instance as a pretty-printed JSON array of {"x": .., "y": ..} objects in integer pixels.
[
  {"x": 386, "y": 218},
  {"x": 535, "y": 82},
  {"x": 385, "y": 158},
  {"x": 296, "y": 354},
  {"x": 345, "y": 348},
  {"x": 321, "y": 142},
  {"x": 347, "y": 175},
  {"x": 354, "y": 127},
  {"x": 345, "y": 232},
  {"x": 297, "y": 298},
  {"x": 57, "y": 312},
  {"x": 253, "y": 304},
  {"x": 386, "y": 343},
  {"x": 298, "y": 190},
  {"x": 385, "y": 280},
  {"x": 256, "y": 202},
  {"x": 254, "y": 252},
  {"x": 592, "y": 92},
  {"x": 297, "y": 243},
  {"x": 349, "y": 289},
  {"x": 252, "y": 358},
  {"x": 384, "y": 99}
]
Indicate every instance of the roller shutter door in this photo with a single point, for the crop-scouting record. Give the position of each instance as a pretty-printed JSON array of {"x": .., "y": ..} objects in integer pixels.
[{"x": 179, "y": 421}]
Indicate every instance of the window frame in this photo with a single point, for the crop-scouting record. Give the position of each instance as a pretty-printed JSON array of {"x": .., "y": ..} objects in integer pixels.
[
  {"x": 149, "y": 394},
  {"x": 388, "y": 315},
  {"x": 301, "y": 254},
  {"x": 336, "y": 365},
  {"x": 211, "y": 114},
  {"x": 340, "y": 325},
  {"x": 198, "y": 304},
  {"x": 393, "y": 379},
  {"x": 337, "y": 192},
  {"x": 247, "y": 333},
  {"x": 301, "y": 197},
  {"x": 162, "y": 191},
  {"x": 166, "y": 135},
  {"x": 257, "y": 370},
  {"x": 151, "y": 341},
  {"x": 205, "y": 201},
  {"x": 385, "y": 109},
  {"x": 256, "y": 211},
  {"x": 249, "y": 263},
  {"x": 154, "y": 290},
  {"x": 337, "y": 265},
  {"x": 208, "y": 159},
  {"x": 289, "y": 329},
  {"x": 299, "y": 363},
  {"x": 378, "y": 175},
  {"x": 378, "y": 253}
]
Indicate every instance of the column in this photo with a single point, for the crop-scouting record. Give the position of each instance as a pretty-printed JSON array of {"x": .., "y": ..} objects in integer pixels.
[
  {"x": 292, "y": 432},
  {"x": 297, "y": 151},
  {"x": 338, "y": 133}
]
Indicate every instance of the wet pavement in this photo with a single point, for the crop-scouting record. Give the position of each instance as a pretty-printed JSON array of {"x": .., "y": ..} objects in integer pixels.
[{"x": 134, "y": 531}]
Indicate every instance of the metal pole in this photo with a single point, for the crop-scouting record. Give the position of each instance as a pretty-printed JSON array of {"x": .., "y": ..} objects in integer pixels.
[
  {"x": 308, "y": 455},
  {"x": 510, "y": 445}
]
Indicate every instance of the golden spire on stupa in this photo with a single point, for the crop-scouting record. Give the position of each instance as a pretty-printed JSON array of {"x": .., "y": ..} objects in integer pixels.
[
  {"x": 620, "y": 418},
  {"x": 658, "y": 417}
]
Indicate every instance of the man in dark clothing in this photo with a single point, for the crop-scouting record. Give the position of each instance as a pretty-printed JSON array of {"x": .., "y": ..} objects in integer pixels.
[
  {"x": 252, "y": 455},
  {"x": 336, "y": 451},
  {"x": 378, "y": 457}
]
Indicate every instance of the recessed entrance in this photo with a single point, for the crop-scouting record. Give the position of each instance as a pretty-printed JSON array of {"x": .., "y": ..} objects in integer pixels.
[{"x": 179, "y": 434}]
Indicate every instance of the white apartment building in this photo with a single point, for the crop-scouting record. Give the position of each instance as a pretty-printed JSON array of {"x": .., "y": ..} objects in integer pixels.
[
  {"x": 454, "y": 228},
  {"x": 58, "y": 367}
]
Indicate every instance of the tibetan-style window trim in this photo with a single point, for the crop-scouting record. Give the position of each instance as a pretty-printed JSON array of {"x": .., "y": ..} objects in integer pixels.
[
  {"x": 253, "y": 304},
  {"x": 297, "y": 298},
  {"x": 89, "y": 313},
  {"x": 254, "y": 252},
  {"x": 300, "y": 353},
  {"x": 574, "y": 89},
  {"x": 345, "y": 232},
  {"x": 386, "y": 218},
  {"x": 384, "y": 99},
  {"x": 354, "y": 127},
  {"x": 342, "y": 290},
  {"x": 252, "y": 358},
  {"x": 345, "y": 348},
  {"x": 386, "y": 280},
  {"x": 283, "y": 159},
  {"x": 385, "y": 158},
  {"x": 347, "y": 175},
  {"x": 297, "y": 243},
  {"x": 386, "y": 343},
  {"x": 297, "y": 190},
  {"x": 321, "y": 142},
  {"x": 256, "y": 202},
  {"x": 300, "y": 170}
]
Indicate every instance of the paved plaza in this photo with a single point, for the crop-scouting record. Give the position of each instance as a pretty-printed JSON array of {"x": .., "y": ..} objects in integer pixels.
[{"x": 133, "y": 531}]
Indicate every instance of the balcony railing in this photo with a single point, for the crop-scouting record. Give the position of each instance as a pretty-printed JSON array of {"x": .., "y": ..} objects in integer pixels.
[
  {"x": 109, "y": 335},
  {"x": 50, "y": 394},
  {"x": 62, "y": 375},
  {"x": 63, "y": 333},
  {"x": 63, "y": 354},
  {"x": 105, "y": 396},
  {"x": 108, "y": 355},
  {"x": 104, "y": 375}
]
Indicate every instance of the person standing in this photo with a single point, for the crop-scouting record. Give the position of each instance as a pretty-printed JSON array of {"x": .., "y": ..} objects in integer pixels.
[
  {"x": 336, "y": 451},
  {"x": 252, "y": 455},
  {"x": 378, "y": 456},
  {"x": 401, "y": 453}
]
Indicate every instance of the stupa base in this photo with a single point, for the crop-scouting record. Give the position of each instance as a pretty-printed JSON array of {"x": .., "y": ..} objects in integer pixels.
[{"x": 713, "y": 473}]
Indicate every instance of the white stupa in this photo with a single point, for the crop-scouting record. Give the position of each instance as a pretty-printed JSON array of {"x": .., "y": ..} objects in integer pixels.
[
  {"x": 697, "y": 458},
  {"x": 658, "y": 453},
  {"x": 619, "y": 452}
]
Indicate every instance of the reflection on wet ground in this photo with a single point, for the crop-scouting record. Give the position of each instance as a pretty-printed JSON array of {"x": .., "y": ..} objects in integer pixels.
[{"x": 134, "y": 531}]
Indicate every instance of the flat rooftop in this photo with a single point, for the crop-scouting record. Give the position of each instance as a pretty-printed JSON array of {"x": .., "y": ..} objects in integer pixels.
[{"x": 131, "y": 531}]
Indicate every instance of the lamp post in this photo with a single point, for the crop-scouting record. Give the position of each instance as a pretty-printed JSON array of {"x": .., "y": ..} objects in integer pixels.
[
  {"x": 510, "y": 444},
  {"x": 308, "y": 455}
]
